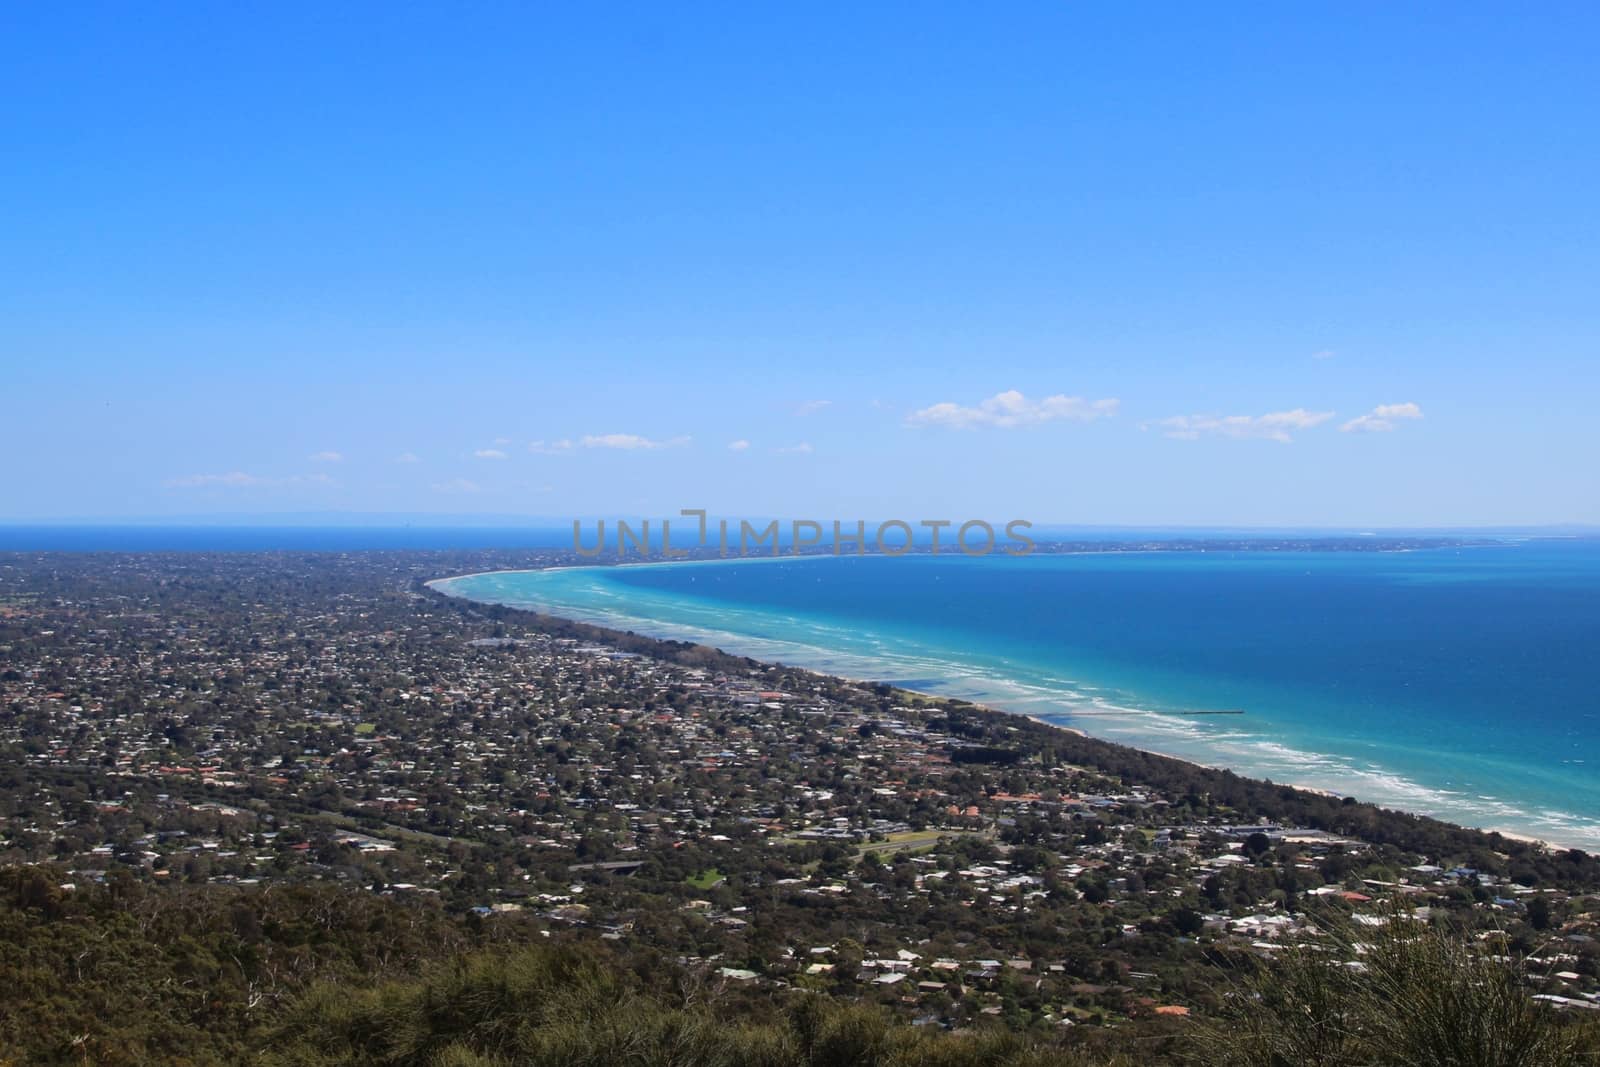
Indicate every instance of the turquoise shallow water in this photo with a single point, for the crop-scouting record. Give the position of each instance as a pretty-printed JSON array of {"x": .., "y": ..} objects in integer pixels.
[{"x": 1460, "y": 682}]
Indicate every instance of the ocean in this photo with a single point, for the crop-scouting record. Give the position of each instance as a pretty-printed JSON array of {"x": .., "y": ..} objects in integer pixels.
[
  {"x": 217, "y": 537},
  {"x": 1458, "y": 682}
]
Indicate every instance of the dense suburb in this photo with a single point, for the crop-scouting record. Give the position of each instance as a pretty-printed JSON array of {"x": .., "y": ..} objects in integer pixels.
[{"x": 255, "y": 804}]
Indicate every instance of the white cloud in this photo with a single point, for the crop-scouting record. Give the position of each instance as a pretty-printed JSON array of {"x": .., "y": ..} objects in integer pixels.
[
  {"x": 457, "y": 485},
  {"x": 1382, "y": 418},
  {"x": 1011, "y": 409},
  {"x": 550, "y": 448},
  {"x": 241, "y": 480},
  {"x": 502, "y": 440},
  {"x": 407, "y": 457},
  {"x": 739, "y": 445},
  {"x": 802, "y": 449},
  {"x": 1274, "y": 426},
  {"x": 811, "y": 407},
  {"x": 1326, "y": 353},
  {"x": 489, "y": 453},
  {"x": 326, "y": 457},
  {"x": 629, "y": 442}
]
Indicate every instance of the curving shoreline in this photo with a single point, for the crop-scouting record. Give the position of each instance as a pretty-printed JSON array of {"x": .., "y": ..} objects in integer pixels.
[{"x": 663, "y": 630}]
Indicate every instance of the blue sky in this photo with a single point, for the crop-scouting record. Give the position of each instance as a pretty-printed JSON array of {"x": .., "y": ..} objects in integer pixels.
[{"x": 1254, "y": 264}]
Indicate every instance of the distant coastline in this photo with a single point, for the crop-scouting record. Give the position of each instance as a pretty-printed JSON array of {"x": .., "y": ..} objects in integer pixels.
[
  {"x": 667, "y": 630},
  {"x": 446, "y": 533}
]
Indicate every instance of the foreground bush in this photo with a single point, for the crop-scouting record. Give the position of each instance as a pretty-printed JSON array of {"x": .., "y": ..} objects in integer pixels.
[
  {"x": 1415, "y": 996},
  {"x": 542, "y": 1006}
]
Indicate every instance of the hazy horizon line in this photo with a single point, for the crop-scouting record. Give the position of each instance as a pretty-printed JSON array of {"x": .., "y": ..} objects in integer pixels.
[{"x": 387, "y": 519}]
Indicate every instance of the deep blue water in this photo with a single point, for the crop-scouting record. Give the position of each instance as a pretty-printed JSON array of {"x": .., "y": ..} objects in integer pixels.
[
  {"x": 1460, "y": 682},
  {"x": 226, "y": 538}
]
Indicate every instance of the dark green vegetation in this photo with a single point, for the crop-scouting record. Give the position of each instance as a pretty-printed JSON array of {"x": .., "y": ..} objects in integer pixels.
[
  {"x": 1413, "y": 995},
  {"x": 251, "y": 804},
  {"x": 124, "y": 974},
  {"x": 543, "y": 1006},
  {"x": 323, "y": 976}
]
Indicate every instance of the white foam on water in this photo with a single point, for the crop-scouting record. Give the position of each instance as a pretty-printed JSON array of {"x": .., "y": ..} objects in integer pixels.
[{"x": 1064, "y": 701}]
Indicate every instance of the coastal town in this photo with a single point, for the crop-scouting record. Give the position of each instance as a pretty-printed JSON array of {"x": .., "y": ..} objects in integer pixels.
[{"x": 243, "y": 722}]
